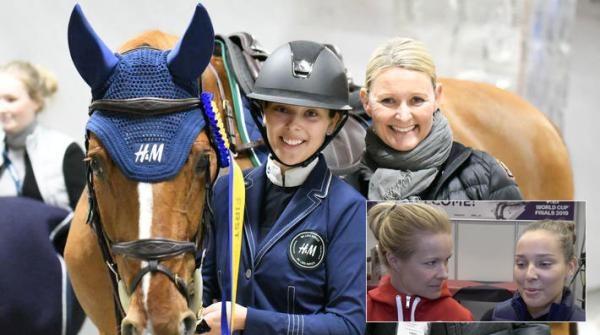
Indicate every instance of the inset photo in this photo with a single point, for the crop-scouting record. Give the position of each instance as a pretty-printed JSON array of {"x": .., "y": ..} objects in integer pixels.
[{"x": 476, "y": 261}]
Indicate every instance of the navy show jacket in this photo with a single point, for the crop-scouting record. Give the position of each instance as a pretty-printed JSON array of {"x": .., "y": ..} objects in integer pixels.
[{"x": 307, "y": 275}]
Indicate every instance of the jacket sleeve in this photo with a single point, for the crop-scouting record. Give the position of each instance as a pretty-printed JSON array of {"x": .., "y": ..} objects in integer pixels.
[
  {"x": 502, "y": 183},
  {"x": 531, "y": 329},
  {"x": 489, "y": 328},
  {"x": 344, "y": 311},
  {"x": 209, "y": 263}
]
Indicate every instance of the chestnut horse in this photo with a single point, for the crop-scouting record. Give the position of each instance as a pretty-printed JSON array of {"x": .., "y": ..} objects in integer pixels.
[
  {"x": 487, "y": 118},
  {"x": 152, "y": 156}
]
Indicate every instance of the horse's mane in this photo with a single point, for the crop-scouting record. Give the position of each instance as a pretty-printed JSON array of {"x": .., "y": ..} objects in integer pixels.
[{"x": 151, "y": 38}]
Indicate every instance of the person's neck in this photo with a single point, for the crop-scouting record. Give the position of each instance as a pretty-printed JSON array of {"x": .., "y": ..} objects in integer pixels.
[
  {"x": 396, "y": 284},
  {"x": 285, "y": 176},
  {"x": 19, "y": 140},
  {"x": 536, "y": 312}
]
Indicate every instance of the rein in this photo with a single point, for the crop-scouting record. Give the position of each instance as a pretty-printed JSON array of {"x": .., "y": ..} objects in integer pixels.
[{"x": 151, "y": 250}]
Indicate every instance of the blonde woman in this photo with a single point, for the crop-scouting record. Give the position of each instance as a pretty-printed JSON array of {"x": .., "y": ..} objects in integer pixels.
[
  {"x": 41, "y": 179},
  {"x": 410, "y": 152},
  {"x": 414, "y": 243},
  {"x": 36, "y": 162}
]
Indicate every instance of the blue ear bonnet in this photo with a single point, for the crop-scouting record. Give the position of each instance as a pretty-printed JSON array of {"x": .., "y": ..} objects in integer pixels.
[
  {"x": 147, "y": 107},
  {"x": 147, "y": 148},
  {"x": 144, "y": 72}
]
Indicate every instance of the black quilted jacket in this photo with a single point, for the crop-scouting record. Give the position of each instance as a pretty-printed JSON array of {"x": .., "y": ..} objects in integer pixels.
[
  {"x": 489, "y": 329},
  {"x": 467, "y": 174},
  {"x": 450, "y": 328}
]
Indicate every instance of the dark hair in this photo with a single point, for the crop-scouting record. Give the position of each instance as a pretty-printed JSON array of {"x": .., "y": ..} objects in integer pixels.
[{"x": 564, "y": 230}]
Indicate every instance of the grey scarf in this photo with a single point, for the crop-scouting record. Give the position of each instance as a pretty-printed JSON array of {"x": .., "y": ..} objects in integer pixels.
[{"x": 402, "y": 174}]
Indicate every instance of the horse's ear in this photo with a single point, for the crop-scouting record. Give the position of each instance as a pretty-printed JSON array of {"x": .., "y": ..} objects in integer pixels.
[
  {"x": 191, "y": 55},
  {"x": 92, "y": 58}
]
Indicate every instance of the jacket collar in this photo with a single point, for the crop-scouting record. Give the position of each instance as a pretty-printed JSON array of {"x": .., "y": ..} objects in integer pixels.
[
  {"x": 292, "y": 177},
  {"x": 386, "y": 293},
  {"x": 517, "y": 309},
  {"x": 399, "y": 302}
]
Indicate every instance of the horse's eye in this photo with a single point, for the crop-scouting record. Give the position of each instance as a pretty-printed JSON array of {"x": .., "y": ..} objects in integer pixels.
[
  {"x": 202, "y": 164},
  {"x": 96, "y": 166}
]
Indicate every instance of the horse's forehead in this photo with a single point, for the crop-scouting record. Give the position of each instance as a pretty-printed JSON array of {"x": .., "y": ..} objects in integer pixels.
[{"x": 144, "y": 72}]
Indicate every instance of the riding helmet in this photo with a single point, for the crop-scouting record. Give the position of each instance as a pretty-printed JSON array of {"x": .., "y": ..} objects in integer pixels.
[{"x": 303, "y": 73}]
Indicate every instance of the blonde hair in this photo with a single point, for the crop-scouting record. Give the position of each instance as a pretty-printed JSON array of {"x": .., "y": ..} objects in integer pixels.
[
  {"x": 400, "y": 52},
  {"x": 564, "y": 231},
  {"x": 39, "y": 82},
  {"x": 395, "y": 225}
]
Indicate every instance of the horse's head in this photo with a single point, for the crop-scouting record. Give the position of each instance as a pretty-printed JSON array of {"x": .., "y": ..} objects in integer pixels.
[{"x": 151, "y": 162}]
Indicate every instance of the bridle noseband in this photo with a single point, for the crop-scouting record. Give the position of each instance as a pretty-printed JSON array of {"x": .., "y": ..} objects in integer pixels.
[{"x": 152, "y": 251}]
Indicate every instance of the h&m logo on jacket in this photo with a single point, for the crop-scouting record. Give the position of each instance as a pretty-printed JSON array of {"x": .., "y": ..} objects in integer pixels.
[
  {"x": 307, "y": 250},
  {"x": 149, "y": 152}
]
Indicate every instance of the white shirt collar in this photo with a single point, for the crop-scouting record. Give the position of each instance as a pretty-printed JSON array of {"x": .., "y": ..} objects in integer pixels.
[{"x": 293, "y": 177}]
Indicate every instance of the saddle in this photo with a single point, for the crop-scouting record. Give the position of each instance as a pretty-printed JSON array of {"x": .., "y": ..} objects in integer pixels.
[{"x": 245, "y": 56}]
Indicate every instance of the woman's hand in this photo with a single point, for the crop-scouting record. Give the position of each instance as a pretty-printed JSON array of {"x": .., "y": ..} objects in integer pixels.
[{"x": 212, "y": 316}]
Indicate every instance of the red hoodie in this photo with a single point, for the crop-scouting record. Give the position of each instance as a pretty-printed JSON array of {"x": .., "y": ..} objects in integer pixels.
[{"x": 382, "y": 305}]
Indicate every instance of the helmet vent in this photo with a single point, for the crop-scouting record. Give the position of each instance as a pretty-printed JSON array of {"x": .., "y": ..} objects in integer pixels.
[{"x": 302, "y": 68}]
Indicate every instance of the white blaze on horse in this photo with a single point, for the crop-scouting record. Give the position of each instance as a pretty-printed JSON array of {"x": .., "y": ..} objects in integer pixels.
[{"x": 151, "y": 161}]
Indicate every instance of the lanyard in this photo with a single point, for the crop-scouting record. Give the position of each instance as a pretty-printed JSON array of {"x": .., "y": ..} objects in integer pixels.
[{"x": 12, "y": 171}]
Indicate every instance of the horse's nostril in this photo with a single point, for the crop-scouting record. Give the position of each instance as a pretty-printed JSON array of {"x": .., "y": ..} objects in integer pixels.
[
  {"x": 127, "y": 328},
  {"x": 188, "y": 324}
]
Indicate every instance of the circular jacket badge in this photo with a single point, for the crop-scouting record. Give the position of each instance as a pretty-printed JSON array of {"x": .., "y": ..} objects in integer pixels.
[{"x": 307, "y": 250}]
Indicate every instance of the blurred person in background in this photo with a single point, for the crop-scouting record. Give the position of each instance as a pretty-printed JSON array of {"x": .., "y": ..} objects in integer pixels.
[
  {"x": 42, "y": 176},
  {"x": 36, "y": 162}
]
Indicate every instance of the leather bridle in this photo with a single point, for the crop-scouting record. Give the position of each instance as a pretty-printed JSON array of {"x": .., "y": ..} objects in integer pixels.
[{"x": 152, "y": 250}]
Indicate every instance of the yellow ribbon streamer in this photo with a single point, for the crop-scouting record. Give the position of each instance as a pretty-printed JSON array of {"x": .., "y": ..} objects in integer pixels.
[
  {"x": 237, "y": 216},
  {"x": 237, "y": 201}
]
